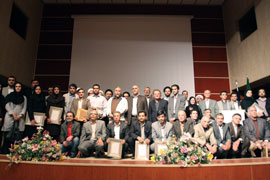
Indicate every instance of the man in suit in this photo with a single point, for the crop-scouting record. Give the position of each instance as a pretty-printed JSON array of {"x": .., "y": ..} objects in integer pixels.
[
  {"x": 224, "y": 104},
  {"x": 257, "y": 132},
  {"x": 235, "y": 101},
  {"x": 185, "y": 93},
  {"x": 140, "y": 130},
  {"x": 161, "y": 129},
  {"x": 208, "y": 103},
  {"x": 157, "y": 104},
  {"x": 204, "y": 135},
  {"x": 117, "y": 103},
  {"x": 28, "y": 91},
  {"x": 264, "y": 103},
  {"x": 10, "y": 87},
  {"x": 240, "y": 143},
  {"x": 222, "y": 135},
  {"x": 148, "y": 95},
  {"x": 117, "y": 130},
  {"x": 70, "y": 96},
  {"x": 176, "y": 103},
  {"x": 81, "y": 102},
  {"x": 182, "y": 125},
  {"x": 136, "y": 103},
  {"x": 69, "y": 136},
  {"x": 194, "y": 117},
  {"x": 93, "y": 136}
]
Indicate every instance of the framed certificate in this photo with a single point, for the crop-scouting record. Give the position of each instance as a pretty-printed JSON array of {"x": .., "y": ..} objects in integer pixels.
[
  {"x": 259, "y": 109},
  {"x": 229, "y": 113},
  {"x": 39, "y": 118},
  {"x": 55, "y": 114},
  {"x": 160, "y": 146},
  {"x": 81, "y": 114},
  {"x": 115, "y": 148},
  {"x": 141, "y": 151}
]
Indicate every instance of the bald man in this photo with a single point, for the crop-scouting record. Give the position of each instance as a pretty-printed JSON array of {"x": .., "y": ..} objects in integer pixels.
[{"x": 182, "y": 125}]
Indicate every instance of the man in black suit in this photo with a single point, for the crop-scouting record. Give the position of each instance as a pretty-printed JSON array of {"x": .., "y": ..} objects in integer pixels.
[
  {"x": 157, "y": 104},
  {"x": 117, "y": 130},
  {"x": 182, "y": 125},
  {"x": 140, "y": 130},
  {"x": 222, "y": 135},
  {"x": 240, "y": 143}
]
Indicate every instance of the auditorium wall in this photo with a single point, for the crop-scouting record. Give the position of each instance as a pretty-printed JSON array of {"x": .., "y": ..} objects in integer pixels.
[
  {"x": 18, "y": 55},
  {"x": 249, "y": 57},
  {"x": 208, "y": 42}
]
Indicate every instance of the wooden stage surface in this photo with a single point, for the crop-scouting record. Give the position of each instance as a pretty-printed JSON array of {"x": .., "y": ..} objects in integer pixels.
[{"x": 127, "y": 169}]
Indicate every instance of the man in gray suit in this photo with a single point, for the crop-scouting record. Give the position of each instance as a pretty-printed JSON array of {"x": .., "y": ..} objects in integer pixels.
[
  {"x": 182, "y": 125},
  {"x": 176, "y": 103},
  {"x": 10, "y": 88},
  {"x": 93, "y": 136},
  {"x": 224, "y": 104},
  {"x": 208, "y": 103},
  {"x": 222, "y": 135},
  {"x": 161, "y": 130},
  {"x": 257, "y": 132}
]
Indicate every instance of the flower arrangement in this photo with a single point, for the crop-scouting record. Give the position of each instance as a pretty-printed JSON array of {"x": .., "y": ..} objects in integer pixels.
[
  {"x": 40, "y": 147},
  {"x": 184, "y": 151}
]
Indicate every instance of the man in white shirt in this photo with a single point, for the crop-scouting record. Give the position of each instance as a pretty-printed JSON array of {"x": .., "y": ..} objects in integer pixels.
[
  {"x": 98, "y": 102},
  {"x": 10, "y": 88},
  {"x": 147, "y": 95},
  {"x": 235, "y": 102},
  {"x": 208, "y": 103},
  {"x": 117, "y": 103},
  {"x": 224, "y": 104},
  {"x": 185, "y": 93}
]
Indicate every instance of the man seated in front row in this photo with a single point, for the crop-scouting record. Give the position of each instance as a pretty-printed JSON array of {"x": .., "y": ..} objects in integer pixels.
[
  {"x": 161, "y": 130},
  {"x": 257, "y": 132},
  {"x": 182, "y": 125},
  {"x": 240, "y": 143},
  {"x": 222, "y": 135},
  {"x": 204, "y": 135},
  {"x": 118, "y": 130},
  {"x": 93, "y": 136},
  {"x": 140, "y": 130},
  {"x": 69, "y": 136}
]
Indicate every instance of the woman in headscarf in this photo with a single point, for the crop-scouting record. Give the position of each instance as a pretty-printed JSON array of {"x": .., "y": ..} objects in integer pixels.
[
  {"x": 192, "y": 105},
  {"x": 248, "y": 100},
  {"x": 36, "y": 103},
  {"x": 56, "y": 100},
  {"x": 16, "y": 104}
]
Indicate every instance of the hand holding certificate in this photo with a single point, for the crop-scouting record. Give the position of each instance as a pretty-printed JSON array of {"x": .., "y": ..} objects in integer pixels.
[
  {"x": 38, "y": 117},
  {"x": 81, "y": 114},
  {"x": 141, "y": 151},
  {"x": 115, "y": 148},
  {"x": 55, "y": 115}
]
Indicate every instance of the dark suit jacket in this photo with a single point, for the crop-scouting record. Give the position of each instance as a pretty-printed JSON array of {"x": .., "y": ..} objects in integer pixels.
[
  {"x": 226, "y": 133},
  {"x": 188, "y": 128},
  {"x": 240, "y": 132},
  {"x": 135, "y": 130},
  {"x": 75, "y": 130},
  {"x": 123, "y": 131},
  {"x": 141, "y": 106},
  {"x": 152, "y": 112},
  {"x": 250, "y": 129}
]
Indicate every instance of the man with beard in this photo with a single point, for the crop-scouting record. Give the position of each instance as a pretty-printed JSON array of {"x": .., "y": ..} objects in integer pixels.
[
  {"x": 167, "y": 93},
  {"x": 264, "y": 103}
]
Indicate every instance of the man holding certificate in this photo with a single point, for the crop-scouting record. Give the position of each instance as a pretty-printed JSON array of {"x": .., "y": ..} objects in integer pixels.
[
  {"x": 69, "y": 136},
  {"x": 93, "y": 136},
  {"x": 141, "y": 131},
  {"x": 118, "y": 130}
]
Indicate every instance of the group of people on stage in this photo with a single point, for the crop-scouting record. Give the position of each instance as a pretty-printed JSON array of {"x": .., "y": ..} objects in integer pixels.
[{"x": 147, "y": 118}]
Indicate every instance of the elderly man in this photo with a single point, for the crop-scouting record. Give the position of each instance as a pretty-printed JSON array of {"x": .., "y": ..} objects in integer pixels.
[
  {"x": 240, "y": 143},
  {"x": 118, "y": 130},
  {"x": 136, "y": 103},
  {"x": 69, "y": 136},
  {"x": 93, "y": 136},
  {"x": 182, "y": 125},
  {"x": 117, "y": 103},
  {"x": 257, "y": 132},
  {"x": 208, "y": 103},
  {"x": 222, "y": 135},
  {"x": 204, "y": 135},
  {"x": 161, "y": 130},
  {"x": 156, "y": 105}
]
